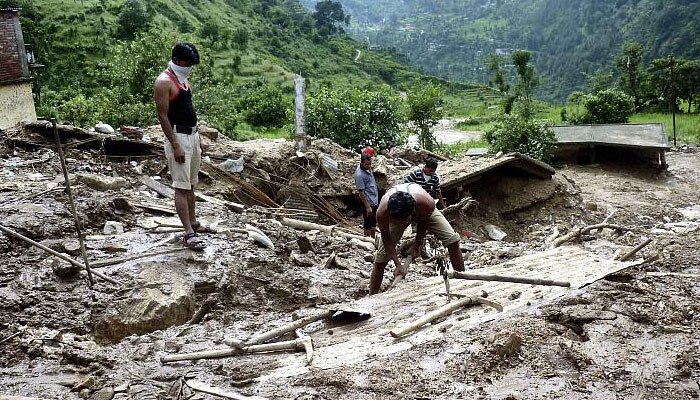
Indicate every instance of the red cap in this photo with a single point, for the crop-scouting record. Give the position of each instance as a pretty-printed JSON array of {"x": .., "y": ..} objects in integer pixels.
[{"x": 370, "y": 151}]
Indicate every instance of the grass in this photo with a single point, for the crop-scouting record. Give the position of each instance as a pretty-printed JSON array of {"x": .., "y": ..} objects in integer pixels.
[
  {"x": 247, "y": 132},
  {"x": 458, "y": 149},
  {"x": 687, "y": 125}
]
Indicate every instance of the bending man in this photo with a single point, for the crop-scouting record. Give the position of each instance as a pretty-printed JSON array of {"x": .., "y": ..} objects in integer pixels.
[{"x": 400, "y": 206}]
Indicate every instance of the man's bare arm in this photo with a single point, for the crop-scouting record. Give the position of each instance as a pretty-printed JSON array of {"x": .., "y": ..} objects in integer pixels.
[
  {"x": 161, "y": 95},
  {"x": 365, "y": 201},
  {"x": 389, "y": 244}
]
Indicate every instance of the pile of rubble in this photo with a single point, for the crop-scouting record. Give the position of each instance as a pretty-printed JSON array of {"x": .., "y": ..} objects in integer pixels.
[{"x": 288, "y": 239}]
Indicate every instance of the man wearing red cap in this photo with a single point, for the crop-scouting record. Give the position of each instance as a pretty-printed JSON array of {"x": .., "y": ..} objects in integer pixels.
[{"x": 370, "y": 151}]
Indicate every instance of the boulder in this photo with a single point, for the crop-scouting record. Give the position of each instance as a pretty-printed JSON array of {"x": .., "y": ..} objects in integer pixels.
[
  {"x": 101, "y": 182},
  {"x": 113, "y": 228},
  {"x": 579, "y": 314},
  {"x": 162, "y": 298}
]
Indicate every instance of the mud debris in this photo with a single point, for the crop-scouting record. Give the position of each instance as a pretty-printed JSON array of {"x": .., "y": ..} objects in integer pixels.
[{"x": 632, "y": 334}]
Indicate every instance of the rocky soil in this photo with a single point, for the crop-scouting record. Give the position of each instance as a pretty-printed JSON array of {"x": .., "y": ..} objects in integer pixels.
[{"x": 633, "y": 335}]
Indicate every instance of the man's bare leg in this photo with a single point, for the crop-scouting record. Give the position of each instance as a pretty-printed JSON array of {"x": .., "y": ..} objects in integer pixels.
[
  {"x": 456, "y": 257},
  {"x": 376, "y": 278},
  {"x": 190, "y": 207},
  {"x": 183, "y": 209}
]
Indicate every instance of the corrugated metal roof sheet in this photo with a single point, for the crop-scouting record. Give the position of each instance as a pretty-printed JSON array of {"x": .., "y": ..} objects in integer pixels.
[
  {"x": 407, "y": 302},
  {"x": 625, "y": 135}
]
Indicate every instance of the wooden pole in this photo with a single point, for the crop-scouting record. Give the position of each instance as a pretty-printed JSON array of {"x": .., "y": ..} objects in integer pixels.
[
  {"x": 257, "y": 348},
  {"x": 78, "y": 226},
  {"x": 55, "y": 253},
  {"x": 505, "y": 278},
  {"x": 301, "y": 322},
  {"x": 432, "y": 316},
  {"x": 636, "y": 250},
  {"x": 331, "y": 230}
]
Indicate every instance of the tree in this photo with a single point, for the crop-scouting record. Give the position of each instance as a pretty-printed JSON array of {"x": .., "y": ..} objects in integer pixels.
[
  {"x": 210, "y": 30},
  {"x": 263, "y": 105},
  {"x": 329, "y": 14},
  {"x": 689, "y": 81},
  {"x": 599, "y": 80},
  {"x": 424, "y": 111},
  {"x": 495, "y": 65},
  {"x": 527, "y": 81},
  {"x": 132, "y": 18},
  {"x": 629, "y": 64},
  {"x": 355, "y": 118}
]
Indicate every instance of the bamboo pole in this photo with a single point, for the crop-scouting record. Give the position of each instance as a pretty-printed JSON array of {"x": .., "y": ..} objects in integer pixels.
[
  {"x": 227, "y": 394},
  {"x": 505, "y": 278},
  {"x": 301, "y": 322},
  {"x": 76, "y": 220},
  {"x": 119, "y": 260},
  {"x": 329, "y": 229},
  {"x": 432, "y": 316},
  {"x": 256, "y": 348}
]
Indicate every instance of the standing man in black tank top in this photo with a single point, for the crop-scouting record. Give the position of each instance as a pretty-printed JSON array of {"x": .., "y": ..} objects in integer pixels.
[{"x": 173, "y": 97}]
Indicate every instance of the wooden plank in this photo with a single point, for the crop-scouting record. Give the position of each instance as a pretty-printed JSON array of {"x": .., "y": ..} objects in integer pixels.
[{"x": 160, "y": 188}]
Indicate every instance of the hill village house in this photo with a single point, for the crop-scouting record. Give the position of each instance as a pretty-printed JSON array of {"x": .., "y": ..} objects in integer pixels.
[{"x": 16, "y": 101}]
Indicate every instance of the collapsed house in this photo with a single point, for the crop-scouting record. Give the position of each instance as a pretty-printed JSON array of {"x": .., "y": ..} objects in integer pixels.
[
  {"x": 631, "y": 143},
  {"x": 288, "y": 256}
]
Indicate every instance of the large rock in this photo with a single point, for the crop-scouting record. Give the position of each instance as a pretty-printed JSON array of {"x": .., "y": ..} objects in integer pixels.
[
  {"x": 101, "y": 182},
  {"x": 163, "y": 298}
]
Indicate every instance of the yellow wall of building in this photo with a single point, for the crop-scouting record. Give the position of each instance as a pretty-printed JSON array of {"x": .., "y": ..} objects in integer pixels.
[{"x": 16, "y": 104}]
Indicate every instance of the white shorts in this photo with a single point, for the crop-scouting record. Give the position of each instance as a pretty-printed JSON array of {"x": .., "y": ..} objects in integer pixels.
[{"x": 184, "y": 175}]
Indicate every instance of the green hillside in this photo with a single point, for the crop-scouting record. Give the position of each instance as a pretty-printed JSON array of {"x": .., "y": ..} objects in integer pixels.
[
  {"x": 569, "y": 40},
  {"x": 101, "y": 56}
]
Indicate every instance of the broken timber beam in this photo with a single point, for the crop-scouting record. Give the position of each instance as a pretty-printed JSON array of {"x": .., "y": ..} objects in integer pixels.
[
  {"x": 447, "y": 309},
  {"x": 329, "y": 229},
  {"x": 505, "y": 278},
  {"x": 296, "y": 324}
]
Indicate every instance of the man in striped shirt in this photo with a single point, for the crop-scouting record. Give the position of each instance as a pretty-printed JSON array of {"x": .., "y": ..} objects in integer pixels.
[{"x": 427, "y": 177}]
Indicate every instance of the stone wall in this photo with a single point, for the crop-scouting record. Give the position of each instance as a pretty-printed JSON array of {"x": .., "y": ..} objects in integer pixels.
[{"x": 16, "y": 104}]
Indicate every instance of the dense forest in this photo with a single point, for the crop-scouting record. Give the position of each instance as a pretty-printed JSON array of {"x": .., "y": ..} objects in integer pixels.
[
  {"x": 100, "y": 58},
  {"x": 570, "y": 40}
]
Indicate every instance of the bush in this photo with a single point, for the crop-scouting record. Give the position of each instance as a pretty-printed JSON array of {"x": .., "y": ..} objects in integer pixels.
[
  {"x": 355, "y": 118},
  {"x": 516, "y": 134},
  {"x": 263, "y": 105},
  {"x": 609, "y": 106},
  {"x": 214, "y": 105}
]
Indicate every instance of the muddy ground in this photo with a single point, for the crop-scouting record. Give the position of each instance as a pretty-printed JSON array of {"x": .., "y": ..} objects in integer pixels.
[{"x": 59, "y": 338}]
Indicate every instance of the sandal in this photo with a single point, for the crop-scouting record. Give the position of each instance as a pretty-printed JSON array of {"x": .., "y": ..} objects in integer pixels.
[
  {"x": 199, "y": 228},
  {"x": 193, "y": 242}
]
